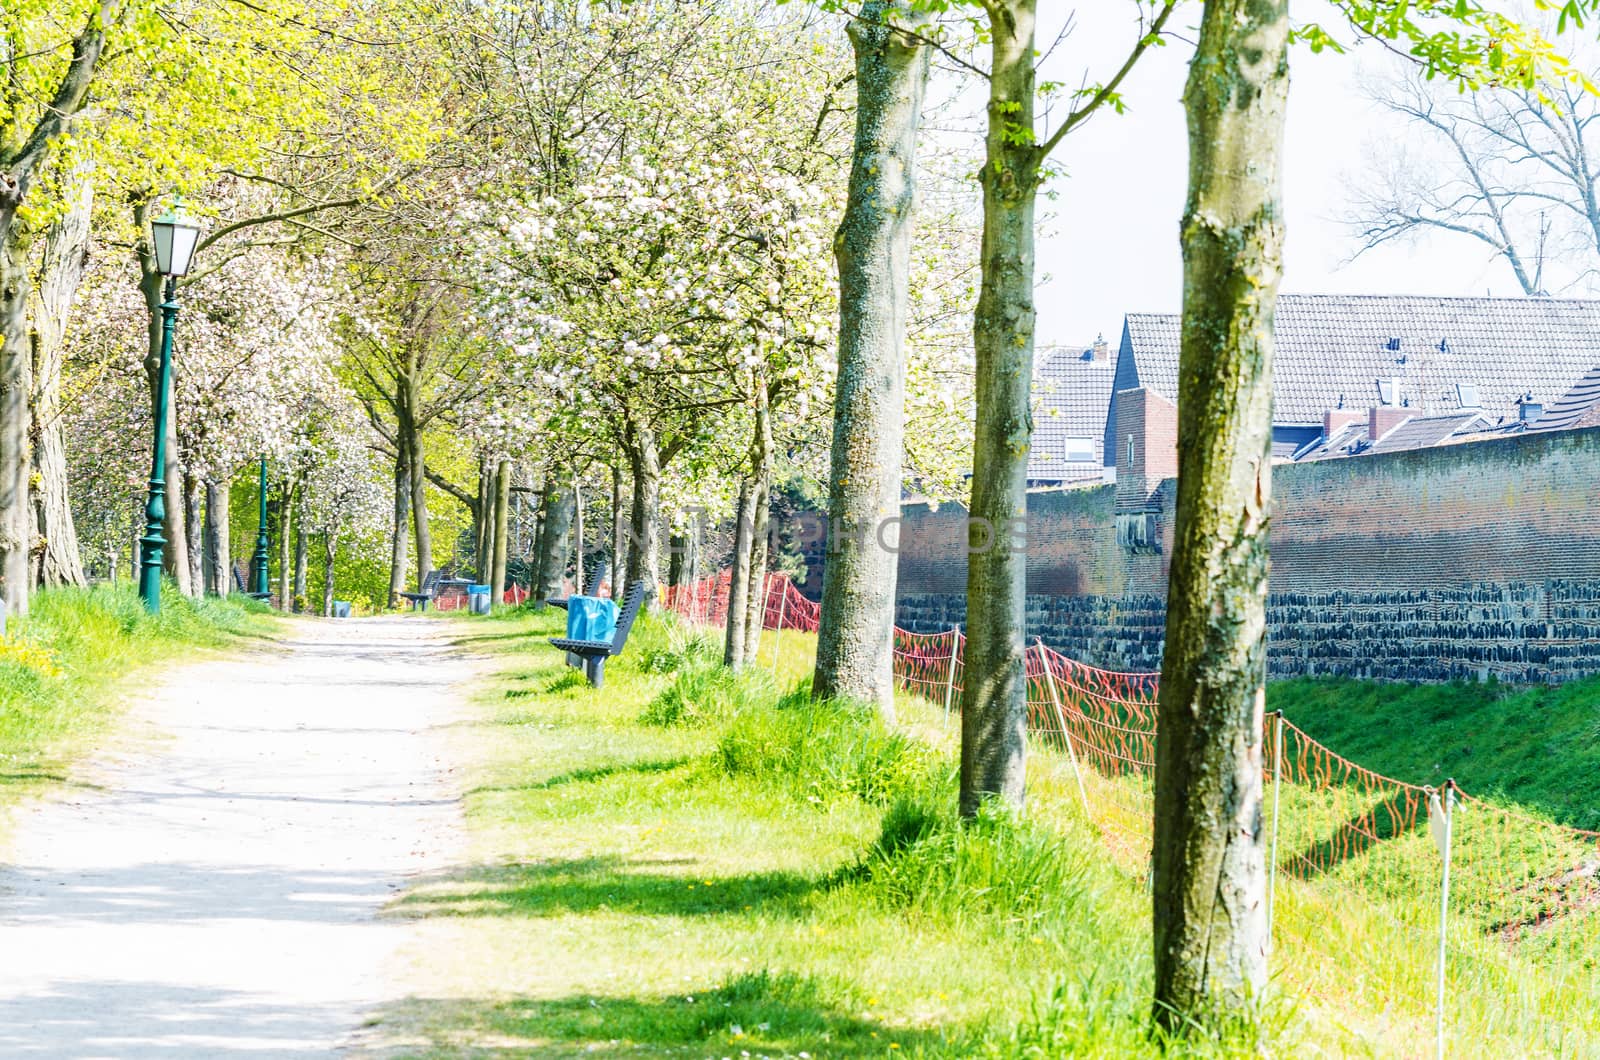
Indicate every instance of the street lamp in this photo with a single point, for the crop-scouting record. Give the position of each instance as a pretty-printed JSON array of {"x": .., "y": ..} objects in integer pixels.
[
  {"x": 258, "y": 563},
  {"x": 174, "y": 236}
]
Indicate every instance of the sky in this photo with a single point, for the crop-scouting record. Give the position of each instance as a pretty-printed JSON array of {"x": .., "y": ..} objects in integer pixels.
[{"x": 1110, "y": 246}]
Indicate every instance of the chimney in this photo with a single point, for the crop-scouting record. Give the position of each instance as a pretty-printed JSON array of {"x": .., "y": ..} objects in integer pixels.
[
  {"x": 1385, "y": 418},
  {"x": 1101, "y": 350},
  {"x": 1336, "y": 420},
  {"x": 1529, "y": 410}
]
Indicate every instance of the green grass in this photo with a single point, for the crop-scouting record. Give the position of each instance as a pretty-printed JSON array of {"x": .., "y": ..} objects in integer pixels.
[
  {"x": 688, "y": 863},
  {"x": 64, "y": 667},
  {"x": 1539, "y": 747}
]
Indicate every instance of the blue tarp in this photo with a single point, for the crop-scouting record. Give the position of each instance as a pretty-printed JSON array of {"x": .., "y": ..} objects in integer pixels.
[{"x": 590, "y": 618}]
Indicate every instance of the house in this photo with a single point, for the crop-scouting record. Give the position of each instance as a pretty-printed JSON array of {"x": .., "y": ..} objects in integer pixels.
[
  {"x": 1072, "y": 396},
  {"x": 1490, "y": 362},
  {"x": 1578, "y": 407}
]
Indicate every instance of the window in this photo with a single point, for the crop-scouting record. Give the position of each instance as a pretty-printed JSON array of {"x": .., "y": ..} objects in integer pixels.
[
  {"x": 1467, "y": 396},
  {"x": 1388, "y": 392},
  {"x": 1078, "y": 450},
  {"x": 1130, "y": 450}
]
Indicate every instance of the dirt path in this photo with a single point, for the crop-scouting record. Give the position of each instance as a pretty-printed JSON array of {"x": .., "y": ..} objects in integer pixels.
[{"x": 216, "y": 893}]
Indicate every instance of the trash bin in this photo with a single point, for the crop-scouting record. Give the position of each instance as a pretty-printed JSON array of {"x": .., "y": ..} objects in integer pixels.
[
  {"x": 341, "y": 609},
  {"x": 478, "y": 600}
]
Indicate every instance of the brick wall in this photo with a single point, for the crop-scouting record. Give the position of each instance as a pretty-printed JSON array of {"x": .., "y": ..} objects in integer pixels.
[{"x": 1456, "y": 561}]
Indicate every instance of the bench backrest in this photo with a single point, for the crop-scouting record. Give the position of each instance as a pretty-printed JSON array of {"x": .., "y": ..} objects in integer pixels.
[
  {"x": 430, "y": 581},
  {"x": 630, "y": 611},
  {"x": 591, "y": 584}
]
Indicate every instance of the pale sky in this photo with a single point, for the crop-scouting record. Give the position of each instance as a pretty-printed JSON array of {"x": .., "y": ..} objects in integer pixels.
[{"x": 1112, "y": 245}]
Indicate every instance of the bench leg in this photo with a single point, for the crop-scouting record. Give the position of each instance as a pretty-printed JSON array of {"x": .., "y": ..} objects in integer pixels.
[{"x": 594, "y": 668}]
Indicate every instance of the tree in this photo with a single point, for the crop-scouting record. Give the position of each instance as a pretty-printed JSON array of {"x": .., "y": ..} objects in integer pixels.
[
  {"x": 855, "y": 644},
  {"x": 1209, "y": 871},
  {"x": 1509, "y": 168}
]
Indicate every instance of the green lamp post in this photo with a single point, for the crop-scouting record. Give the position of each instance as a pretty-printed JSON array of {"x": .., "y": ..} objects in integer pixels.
[
  {"x": 174, "y": 236},
  {"x": 261, "y": 587}
]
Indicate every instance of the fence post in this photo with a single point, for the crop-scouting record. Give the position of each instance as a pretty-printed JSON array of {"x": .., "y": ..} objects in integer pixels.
[
  {"x": 783, "y": 603},
  {"x": 1061, "y": 719},
  {"x": 1442, "y": 837},
  {"x": 950, "y": 678},
  {"x": 1277, "y": 783}
]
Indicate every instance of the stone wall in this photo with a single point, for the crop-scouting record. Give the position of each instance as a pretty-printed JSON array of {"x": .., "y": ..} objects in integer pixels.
[{"x": 1457, "y": 561}]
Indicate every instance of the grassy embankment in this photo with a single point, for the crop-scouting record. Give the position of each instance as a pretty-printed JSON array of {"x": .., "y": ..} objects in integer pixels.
[
  {"x": 65, "y": 667},
  {"x": 687, "y": 863}
]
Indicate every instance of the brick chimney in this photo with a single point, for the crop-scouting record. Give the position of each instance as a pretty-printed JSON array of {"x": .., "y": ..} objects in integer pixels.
[
  {"x": 1385, "y": 418},
  {"x": 1101, "y": 350},
  {"x": 1147, "y": 445},
  {"x": 1336, "y": 420}
]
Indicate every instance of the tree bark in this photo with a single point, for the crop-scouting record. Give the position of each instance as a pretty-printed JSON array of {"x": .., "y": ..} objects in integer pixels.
[
  {"x": 194, "y": 528},
  {"x": 993, "y": 710},
  {"x": 553, "y": 541},
  {"x": 483, "y": 524},
  {"x": 288, "y": 518},
  {"x": 579, "y": 581},
  {"x": 1209, "y": 875},
  {"x": 56, "y": 556},
  {"x": 218, "y": 546},
  {"x": 416, "y": 464},
  {"x": 873, "y": 249},
  {"x": 16, "y": 363},
  {"x": 619, "y": 535},
  {"x": 502, "y": 526},
  {"x": 399, "y": 529},
  {"x": 302, "y": 557},
  {"x": 330, "y": 551},
  {"x": 746, "y": 603},
  {"x": 643, "y": 561}
]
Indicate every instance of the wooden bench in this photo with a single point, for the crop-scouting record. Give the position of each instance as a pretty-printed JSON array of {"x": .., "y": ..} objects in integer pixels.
[
  {"x": 594, "y": 653},
  {"x": 425, "y": 593}
]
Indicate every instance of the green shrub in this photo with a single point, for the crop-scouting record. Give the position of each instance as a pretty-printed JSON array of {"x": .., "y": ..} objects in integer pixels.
[
  {"x": 705, "y": 693},
  {"x": 697, "y": 652},
  {"x": 825, "y": 751}
]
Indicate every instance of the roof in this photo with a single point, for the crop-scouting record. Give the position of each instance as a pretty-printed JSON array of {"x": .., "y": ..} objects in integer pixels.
[
  {"x": 1578, "y": 407},
  {"x": 1332, "y": 351},
  {"x": 1072, "y": 396},
  {"x": 1413, "y": 432}
]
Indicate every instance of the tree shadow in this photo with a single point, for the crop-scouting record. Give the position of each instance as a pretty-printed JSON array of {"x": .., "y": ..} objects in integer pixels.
[
  {"x": 591, "y": 773},
  {"x": 757, "y": 1014},
  {"x": 603, "y": 884},
  {"x": 1388, "y": 818}
]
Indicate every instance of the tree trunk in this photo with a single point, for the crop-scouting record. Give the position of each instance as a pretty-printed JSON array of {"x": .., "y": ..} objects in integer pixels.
[
  {"x": 399, "y": 528},
  {"x": 578, "y": 577},
  {"x": 502, "y": 526},
  {"x": 417, "y": 467},
  {"x": 553, "y": 541},
  {"x": 330, "y": 551},
  {"x": 16, "y": 362},
  {"x": 302, "y": 557},
  {"x": 746, "y": 603},
  {"x": 288, "y": 517},
  {"x": 643, "y": 562},
  {"x": 56, "y": 557},
  {"x": 678, "y": 552},
  {"x": 483, "y": 524},
  {"x": 1209, "y": 875},
  {"x": 218, "y": 546},
  {"x": 619, "y": 536},
  {"x": 855, "y": 643},
  {"x": 194, "y": 528},
  {"x": 993, "y": 708},
  {"x": 151, "y": 282}
]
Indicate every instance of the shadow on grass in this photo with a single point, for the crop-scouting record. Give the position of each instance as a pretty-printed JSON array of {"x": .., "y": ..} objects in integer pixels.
[
  {"x": 604, "y": 884},
  {"x": 757, "y": 1014},
  {"x": 1388, "y": 818},
  {"x": 591, "y": 773}
]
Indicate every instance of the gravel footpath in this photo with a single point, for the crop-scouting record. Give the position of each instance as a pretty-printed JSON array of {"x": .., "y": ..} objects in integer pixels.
[{"x": 216, "y": 892}]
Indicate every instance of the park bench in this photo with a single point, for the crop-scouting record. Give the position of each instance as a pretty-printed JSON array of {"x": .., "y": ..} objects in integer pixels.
[
  {"x": 594, "y": 653},
  {"x": 241, "y": 587},
  {"x": 425, "y": 593}
]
